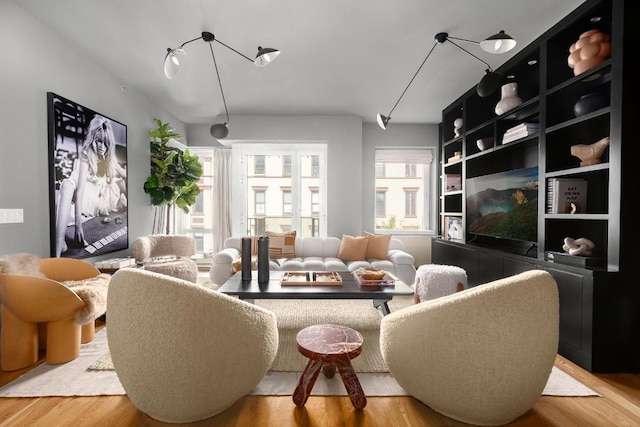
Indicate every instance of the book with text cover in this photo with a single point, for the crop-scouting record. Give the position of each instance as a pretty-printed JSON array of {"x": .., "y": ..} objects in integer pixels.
[{"x": 567, "y": 195}]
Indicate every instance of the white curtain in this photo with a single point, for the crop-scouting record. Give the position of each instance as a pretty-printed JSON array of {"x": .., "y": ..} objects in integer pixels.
[{"x": 221, "y": 197}]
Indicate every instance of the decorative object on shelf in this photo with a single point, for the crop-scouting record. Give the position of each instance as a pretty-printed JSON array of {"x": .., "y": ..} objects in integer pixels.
[
  {"x": 457, "y": 126},
  {"x": 498, "y": 43},
  {"x": 590, "y": 102},
  {"x": 453, "y": 182},
  {"x": 580, "y": 247},
  {"x": 485, "y": 143},
  {"x": 510, "y": 98},
  {"x": 590, "y": 154},
  {"x": 592, "y": 48},
  {"x": 175, "y": 59}
]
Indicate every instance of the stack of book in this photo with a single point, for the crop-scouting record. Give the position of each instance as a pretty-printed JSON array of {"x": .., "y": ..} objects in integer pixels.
[
  {"x": 115, "y": 263},
  {"x": 457, "y": 155},
  {"x": 520, "y": 131},
  {"x": 566, "y": 195}
]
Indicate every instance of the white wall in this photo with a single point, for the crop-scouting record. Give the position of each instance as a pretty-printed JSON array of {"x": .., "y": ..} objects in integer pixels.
[{"x": 35, "y": 61}]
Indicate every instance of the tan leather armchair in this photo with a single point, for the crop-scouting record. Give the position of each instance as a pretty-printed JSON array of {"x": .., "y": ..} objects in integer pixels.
[{"x": 38, "y": 311}]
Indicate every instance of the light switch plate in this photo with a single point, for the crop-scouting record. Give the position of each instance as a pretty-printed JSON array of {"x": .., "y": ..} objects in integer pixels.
[{"x": 11, "y": 216}]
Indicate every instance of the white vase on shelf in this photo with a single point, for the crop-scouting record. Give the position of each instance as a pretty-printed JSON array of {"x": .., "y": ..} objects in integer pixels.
[{"x": 510, "y": 98}]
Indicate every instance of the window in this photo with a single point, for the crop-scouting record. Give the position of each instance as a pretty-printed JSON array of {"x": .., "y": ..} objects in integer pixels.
[
  {"x": 381, "y": 203},
  {"x": 258, "y": 165},
  {"x": 404, "y": 183},
  {"x": 259, "y": 202},
  {"x": 315, "y": 166},
  {"x": 410, "y": 198},
  {"x": 289, "y": 195},
  {"x": 287, "y": 202},
  {"x": 315, "y": 202},
  {"x": 198, "y": 222},
  {"x": 286, "y": 165}
]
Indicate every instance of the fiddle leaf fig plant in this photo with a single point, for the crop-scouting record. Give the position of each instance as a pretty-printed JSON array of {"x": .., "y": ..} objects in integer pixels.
[{"x": 175, "y": 173}]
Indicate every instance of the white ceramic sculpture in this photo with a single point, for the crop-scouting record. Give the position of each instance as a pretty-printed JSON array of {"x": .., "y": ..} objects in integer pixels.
[
  {"x": 581, "y": 246},
  {"x": 510, "y": 98},
  {"x": 457, "y": 127}
]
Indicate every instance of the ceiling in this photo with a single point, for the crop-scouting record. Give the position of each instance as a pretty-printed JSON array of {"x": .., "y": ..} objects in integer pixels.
[{"x": 339, "y": 57}]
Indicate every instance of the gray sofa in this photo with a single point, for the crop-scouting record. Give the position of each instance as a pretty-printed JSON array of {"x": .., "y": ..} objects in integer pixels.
[{"x": 318, "y": 254}]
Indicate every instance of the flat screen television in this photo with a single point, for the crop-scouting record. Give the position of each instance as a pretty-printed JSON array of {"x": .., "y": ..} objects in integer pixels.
[{"x": 504, "y": 205}]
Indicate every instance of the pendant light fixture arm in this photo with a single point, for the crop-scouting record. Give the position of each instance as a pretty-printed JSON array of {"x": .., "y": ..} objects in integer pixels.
[
  {"x": 465, "y": 50},
  {"x": 462, "y": 40},
  {"x": 412, "y": 79},
  {"x": 215, "y": 64},
  {"x": 230, "y": 48}
]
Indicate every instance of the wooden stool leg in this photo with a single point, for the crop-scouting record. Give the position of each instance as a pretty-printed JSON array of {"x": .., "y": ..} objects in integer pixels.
[
  {"x": 352, "y": 384},
  {"x": 329, "y": 370},
  {"x": 307, "y": 380}
]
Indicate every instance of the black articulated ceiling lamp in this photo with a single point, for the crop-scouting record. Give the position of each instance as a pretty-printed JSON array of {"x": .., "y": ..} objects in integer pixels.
[
  {"x": 498, "y": 43},
  {"x": 176, "y": 58}
]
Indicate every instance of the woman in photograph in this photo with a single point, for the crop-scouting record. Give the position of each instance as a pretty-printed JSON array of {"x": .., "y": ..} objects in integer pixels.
[{"x": 96, "y": 186}]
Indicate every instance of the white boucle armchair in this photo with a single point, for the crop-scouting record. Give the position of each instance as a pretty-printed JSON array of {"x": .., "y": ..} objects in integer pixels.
[
  {"x": 184, "y": 352},
  {"x": 168, "y": 254},
  {"x": 482, "y": 355}
]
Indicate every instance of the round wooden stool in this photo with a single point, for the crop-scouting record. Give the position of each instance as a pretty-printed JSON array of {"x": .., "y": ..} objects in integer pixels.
[{"x": 329, "y": 347}]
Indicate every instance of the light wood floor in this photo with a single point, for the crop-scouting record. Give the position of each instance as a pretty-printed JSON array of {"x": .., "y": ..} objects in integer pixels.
[{"x": 618, "y": 406}]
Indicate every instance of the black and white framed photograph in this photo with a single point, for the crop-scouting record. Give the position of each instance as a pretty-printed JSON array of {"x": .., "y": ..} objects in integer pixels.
[
  {"x": 87, "y": 180},
  {"x": 453, "y": 228}
]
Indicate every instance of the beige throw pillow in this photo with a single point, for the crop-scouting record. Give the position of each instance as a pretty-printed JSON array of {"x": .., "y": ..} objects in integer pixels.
[
  {"x": 377, "y": 245},
  {"x": 282, "y": 245},
  {"x": 352, "y": 248}
]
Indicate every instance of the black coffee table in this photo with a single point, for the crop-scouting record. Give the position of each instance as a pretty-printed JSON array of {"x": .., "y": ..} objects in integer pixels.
[{"x": 350, "y": 289}]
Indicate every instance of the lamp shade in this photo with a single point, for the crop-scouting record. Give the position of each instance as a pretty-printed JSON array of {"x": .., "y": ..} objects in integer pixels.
[
  {"x": 489, "y": 83},
  {"x": 219, "y": 130},
  {"x": 174, "y": 61},
  {"x": 265, "y": 56},
  {"x": 498, "y": 43},
  {"x": 383, "y": 121}
]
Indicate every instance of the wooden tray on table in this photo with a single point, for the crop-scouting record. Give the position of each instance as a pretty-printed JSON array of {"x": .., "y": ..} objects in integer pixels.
[{"x": 311, "y": 278}]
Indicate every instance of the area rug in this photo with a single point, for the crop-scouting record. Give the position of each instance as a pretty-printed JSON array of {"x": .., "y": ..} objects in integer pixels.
[{"x": 92, "y": 373}]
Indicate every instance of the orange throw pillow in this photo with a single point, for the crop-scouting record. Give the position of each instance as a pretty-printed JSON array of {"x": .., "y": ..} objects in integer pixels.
[
  {"x": 377, "y": 245},
  {"x": 352, "y": 248},
  {"x": 282, "y": 245}
]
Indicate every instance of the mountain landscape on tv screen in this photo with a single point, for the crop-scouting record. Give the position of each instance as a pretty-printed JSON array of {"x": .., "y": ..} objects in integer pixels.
[{"x": 510, "y": 213}]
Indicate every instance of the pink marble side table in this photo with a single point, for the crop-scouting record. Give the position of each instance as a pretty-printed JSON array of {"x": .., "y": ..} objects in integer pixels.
[{"x": 329, "y": 347}]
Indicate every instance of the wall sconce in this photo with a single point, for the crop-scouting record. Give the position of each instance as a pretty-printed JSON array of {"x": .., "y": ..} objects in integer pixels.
[
  {"x": 498, "y": 43},
  {"x": 176, "y": 58}
]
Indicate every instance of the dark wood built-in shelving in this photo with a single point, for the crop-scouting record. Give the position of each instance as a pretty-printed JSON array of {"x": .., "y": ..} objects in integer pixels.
[{"x": 599, "y": 305}]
